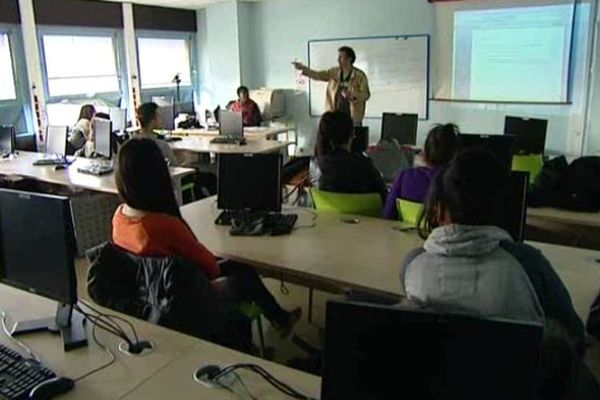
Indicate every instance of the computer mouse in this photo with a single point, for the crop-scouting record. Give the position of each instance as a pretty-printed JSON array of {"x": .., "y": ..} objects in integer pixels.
[{"x": 51, "y": 388}]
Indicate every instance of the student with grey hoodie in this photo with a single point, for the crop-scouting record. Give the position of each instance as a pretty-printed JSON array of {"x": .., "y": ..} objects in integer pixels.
[{"x": 468, "y": 264}]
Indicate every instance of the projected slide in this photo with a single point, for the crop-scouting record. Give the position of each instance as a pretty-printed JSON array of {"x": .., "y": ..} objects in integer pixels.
[{"x": 513, "y": 54}]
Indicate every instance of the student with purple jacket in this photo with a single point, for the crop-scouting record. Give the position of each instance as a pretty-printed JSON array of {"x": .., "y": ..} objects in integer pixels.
[{"x": 413, "y": 184}]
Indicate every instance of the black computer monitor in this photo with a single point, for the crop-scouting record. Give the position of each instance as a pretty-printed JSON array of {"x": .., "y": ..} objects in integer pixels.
[
  {"x": 499, "y": 145},
  {"x": 103, "y": 138},
  {"x": 375, "y": 352},
  {"x": 529, "y": 133},
  {"x": 249, "y": 182},
  {"x": 37, "y": 254},
  {"x": 401, "y": 128},
  {"x": 7, "y": 139},
  {"x": 514, "y": 210}
]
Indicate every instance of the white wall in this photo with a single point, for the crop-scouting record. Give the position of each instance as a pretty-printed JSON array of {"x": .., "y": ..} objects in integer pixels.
[{"x": 273, "y": 33}]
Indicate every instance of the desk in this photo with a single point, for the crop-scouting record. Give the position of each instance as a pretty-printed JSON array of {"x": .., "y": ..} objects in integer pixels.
[
  {"x": 155, "y": 376},
  {"x": 203, "y": 145},
  {"x": 591, "y": 219},
  {"x": 364, "y": 256},
  {"x": 572, "y": 228},
  {"x": 259, "y": 132},
  {"x": 23, "y": 166}
]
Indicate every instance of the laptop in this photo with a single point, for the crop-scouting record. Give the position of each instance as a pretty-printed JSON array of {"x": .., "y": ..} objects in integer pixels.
[
  {"x": 377, "y": 352},
  {"x": 499, "y": 145},
  {"x": 401, "y": 128}
]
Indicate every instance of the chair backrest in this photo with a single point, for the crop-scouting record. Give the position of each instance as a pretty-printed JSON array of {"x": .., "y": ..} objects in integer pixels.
[
  {"x": 409, "y": 211},
  {"x": 367, "y": 204},
  {"x": 167, "y": 291},
  {"x": 531, "y": 163},
  {"x": 56, "y": 140}
]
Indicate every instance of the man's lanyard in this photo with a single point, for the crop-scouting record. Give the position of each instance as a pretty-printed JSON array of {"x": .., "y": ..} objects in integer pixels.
[{"x": 347, "y": 79}]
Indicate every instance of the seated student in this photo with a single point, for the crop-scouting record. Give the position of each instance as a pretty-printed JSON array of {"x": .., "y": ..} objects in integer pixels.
[
  {"x": 413, "y": 184},
  {"x": 336, "y": 168},
  {"x": 80, "y": 133},
  {"x": 468, "y": 264},
  {"x": 250, "y": 111},
  {"x": 149, "y": 223},
  {"x": 149, "y": 119}
]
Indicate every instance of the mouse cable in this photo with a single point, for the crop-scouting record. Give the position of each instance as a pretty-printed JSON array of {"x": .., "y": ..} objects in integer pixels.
[
  {"x": 106, "y": 324},
  {"x": 242, "y": 385},
  {"x": 313, "y": 221},
  {"x": 14, "y": 339},
  {"x": 276, "y": 383},
  {"x": 108, "y": 351},
  {"x": 113, "y": 317}
]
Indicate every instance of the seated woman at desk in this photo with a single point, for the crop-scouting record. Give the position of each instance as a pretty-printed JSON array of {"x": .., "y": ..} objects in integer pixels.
[
  {"x": 150, "y": 224},
  {"x": 80, "y": 133},
  {"x": 249, "y": 109},
  {"x": 413, "y": 184},
  {"x": 335, "y": 167},
  {"x": 468, "y": 264},
  {"x": 149, "y": 120}
]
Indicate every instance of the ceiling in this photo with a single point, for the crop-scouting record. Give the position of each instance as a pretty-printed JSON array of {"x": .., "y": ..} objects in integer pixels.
[{"x": 189, "y": 4}]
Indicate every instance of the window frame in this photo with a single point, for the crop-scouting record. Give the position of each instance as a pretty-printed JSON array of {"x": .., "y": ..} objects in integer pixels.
[
  {"x": 116, "y": 37},
  {"x": 190, "y": 37},
  {"x": 17, "y": 79}
]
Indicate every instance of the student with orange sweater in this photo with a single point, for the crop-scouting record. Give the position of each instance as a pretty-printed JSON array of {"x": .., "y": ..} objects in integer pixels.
[{"x": 149, "y": 223}]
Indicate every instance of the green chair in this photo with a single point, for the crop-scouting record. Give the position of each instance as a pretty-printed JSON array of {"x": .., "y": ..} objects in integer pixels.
[
  {"x": 254, "y": 313},
  {"x": 409, "y": 211},
  {"x": 530, "y": 163},
  {"x": 368, "y": 204},
  {"x": 189, "y": 188}
]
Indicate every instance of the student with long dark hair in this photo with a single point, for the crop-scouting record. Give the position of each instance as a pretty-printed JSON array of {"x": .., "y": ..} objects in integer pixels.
[
  {"x": 81, "y": 132},
  {"x": 149, "y": 119},
  {"x": 413, "y": 184},
  {"x": 149, "y": 223},
  {"x": 339, "y": 169},
  {"x": 469, "y": 264}
]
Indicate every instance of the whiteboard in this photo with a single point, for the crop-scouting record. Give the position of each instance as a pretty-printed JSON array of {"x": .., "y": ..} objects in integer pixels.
[{"x": 397, "y": 68}]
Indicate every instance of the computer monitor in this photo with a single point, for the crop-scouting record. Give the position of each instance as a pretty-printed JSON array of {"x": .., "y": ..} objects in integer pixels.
[
  {"x": 231, "y": 124},
  {"x": 103, "y": 137},
  {"x": 514, "y": 214},
  {"x": 7, "y": 140},
  {"x": 166, "y": 111},
  {"x": 529, "y": 133},
  {"x": 56, "y": 140},
  {"x": 249, "y": 182},
  {"x": 118, "y": 117},
  {"x": 499, "y": 145},
  {"x": 37, "y": 254},
  {"x": 375, "y": 352},
  {"x": 401, "y": 128}
]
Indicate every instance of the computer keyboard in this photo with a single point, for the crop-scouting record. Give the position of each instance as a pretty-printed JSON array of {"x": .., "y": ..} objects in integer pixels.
[
  {"x": 19, "y": 375},
  {"x": 228, "y": 140},
  {"x": 51, "y": 161},
  {"x": 256, "y": 223},
  {"x": 95, "y": 169}
]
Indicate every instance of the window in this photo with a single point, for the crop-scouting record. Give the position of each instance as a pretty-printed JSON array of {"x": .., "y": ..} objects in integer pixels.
[
  {"x": 7, "y": 88},
  {"x": 161, "y": 60},
  {"x": 80, "y": 65}
]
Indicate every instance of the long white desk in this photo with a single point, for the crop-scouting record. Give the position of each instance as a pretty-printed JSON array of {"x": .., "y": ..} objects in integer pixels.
[
  {"x": 203, "y": 145},
  {"x": 251, "y": 133},
  {"x": 22, "y": 165}
]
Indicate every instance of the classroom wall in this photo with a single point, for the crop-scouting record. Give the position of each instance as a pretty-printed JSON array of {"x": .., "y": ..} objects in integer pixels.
[
  {"x": 592, "y": 133},
  {"x": 281, "y": 30}
]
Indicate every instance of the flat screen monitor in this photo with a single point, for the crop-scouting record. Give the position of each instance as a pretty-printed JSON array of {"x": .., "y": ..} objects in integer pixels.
[
  {"x": 375, "y": 352},
  {"x": 401, "y": 128},
  {"x": 249, "y": 182},
  {"x": 7, "y": 139},
  {"x": 37, "y": 255},
  {"x": 103, "y": 137},
  {"x": 529, "y": 133},
  {"x": 514, "y": 215},
  {"x": 166, "y": 111},
  {"x": 499, "y": 145},
  {"x": 56, "y": 140},
  {"x": 118, "y": 117},
  {"x": 231, "y": 124}
]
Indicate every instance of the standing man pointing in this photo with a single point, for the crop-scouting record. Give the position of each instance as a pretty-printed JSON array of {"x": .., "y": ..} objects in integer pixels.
[{"x": 348, "y": 87}]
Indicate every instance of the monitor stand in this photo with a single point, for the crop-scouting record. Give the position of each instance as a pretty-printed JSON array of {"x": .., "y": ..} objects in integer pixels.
[{"x": 67, "y": 321}]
